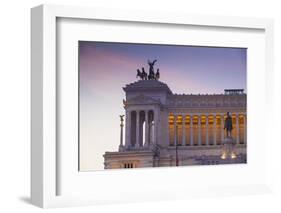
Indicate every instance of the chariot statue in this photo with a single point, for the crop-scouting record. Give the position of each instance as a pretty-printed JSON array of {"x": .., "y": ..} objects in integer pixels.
[{"x": 142, "y": 74}]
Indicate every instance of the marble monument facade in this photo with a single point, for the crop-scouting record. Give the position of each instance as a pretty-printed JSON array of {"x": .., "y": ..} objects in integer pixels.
[{"x": 167, "y": 129}]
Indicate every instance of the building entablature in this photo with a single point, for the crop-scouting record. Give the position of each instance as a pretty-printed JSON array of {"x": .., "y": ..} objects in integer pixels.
[
  {"x": 142, "y": 100},
  {"x": 205, "y": 111},
  {"x": 149, "y": 86},
  {"x": 198, "y": 101}
]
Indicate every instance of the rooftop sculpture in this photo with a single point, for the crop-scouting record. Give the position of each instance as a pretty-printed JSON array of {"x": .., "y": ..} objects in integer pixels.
[{"x": 152, "y": 75}]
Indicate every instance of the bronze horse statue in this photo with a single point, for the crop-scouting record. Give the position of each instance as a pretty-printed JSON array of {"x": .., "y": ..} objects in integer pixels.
[
  {"x": 144, "y": 74},
  {"x": 141, "y": 74},
  {"x": 157, "y": 75}
]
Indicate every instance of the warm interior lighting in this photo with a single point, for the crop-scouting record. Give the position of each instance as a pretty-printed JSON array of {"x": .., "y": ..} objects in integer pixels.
[
  {"x": 203, "y": 119},
  {"x": 223, "y": 156},
  {"x": 179, "y": 119},
  {"x": 187, "y": 120}
]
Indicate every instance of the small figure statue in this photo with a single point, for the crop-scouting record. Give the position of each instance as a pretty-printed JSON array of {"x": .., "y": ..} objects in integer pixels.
[
  {"x": 151, "y": 70},
  {"x": 121, "y": 118},
  {"x": 144, "y": 74},
  {"x": 157, "y": 74},
  {"x": 228, "y": 125}
]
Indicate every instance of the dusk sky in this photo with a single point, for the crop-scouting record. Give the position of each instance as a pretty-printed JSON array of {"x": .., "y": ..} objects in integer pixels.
[{"x": 104, "y": 68}]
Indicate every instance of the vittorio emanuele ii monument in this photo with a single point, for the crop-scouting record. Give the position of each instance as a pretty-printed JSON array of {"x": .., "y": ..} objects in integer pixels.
[{"x": 163, "y": 129}]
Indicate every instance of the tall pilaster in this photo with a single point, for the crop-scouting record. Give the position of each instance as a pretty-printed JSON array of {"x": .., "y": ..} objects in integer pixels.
[
  {"x": 207, "y": 130},
  {"x": 175, "y": 130},
  {"x": 155, "y": 126},
  {"x": 146, "y": 129},
  {"x": 191, "y": 130},
  {"x": 215, "y": 129},
  {"x": 168, "y": 130},
  {"x": 245, "y": 128},
  {"x": 183, "y": 131},
  {"x": 199, "y": 131},
  {"x": 237, "y": 128},
  {"x": 222, "y": 127}
]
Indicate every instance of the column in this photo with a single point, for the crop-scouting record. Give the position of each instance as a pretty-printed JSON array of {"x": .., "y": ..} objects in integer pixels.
[
  {"x": 237, "y": 128},
  {"x": 207, "y": 129},
  {"x": 128, "y": 128},
  {"x": 191, "y": 130},
  {"x": 199, "y": 131},
  {"x": 245, "y": 129},
  {"x": 183, "y": 131},
  {"x": 155, "y": 126},
  {"x": 215, "y": 129},
  {"x": 167, "y": 137},
  {"x": 175, "y": 130},
  {"x": 146, "y": 129},
  {"x": 222, "y": 126},
  {"x": 137, "y": 129}
]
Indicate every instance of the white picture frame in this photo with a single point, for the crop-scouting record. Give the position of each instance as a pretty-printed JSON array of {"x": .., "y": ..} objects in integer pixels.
[{"x": 44, "y": 150}]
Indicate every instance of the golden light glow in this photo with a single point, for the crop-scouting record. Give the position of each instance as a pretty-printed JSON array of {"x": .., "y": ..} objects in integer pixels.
[
  {"x": 187, "y": 119},
  {"x": 195, "y": 119},
  {"x": 179, "y": 119},
  {"x": 203, "y": 119},
  {"x": 171, "y": 119},
  {"x": 233, "y": 155},
  {"x": 223, "y": 156}
]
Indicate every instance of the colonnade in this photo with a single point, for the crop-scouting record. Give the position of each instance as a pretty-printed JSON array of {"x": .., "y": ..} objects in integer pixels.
[
  {"x": 141, "y": 128},
  {"x": 204, "y": 129}
]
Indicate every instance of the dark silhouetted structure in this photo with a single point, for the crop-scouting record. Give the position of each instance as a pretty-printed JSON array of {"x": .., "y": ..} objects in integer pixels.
[{"x": 228, "y": 125}]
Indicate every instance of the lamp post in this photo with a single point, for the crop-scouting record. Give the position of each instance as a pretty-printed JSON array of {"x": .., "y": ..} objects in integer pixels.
[{"x": 121, "y": 131}]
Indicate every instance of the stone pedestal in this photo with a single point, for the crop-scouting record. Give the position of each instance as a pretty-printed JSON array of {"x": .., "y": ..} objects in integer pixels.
[
  {"x": 228, "y": 148},
  {"x": 121, "y": 148}
]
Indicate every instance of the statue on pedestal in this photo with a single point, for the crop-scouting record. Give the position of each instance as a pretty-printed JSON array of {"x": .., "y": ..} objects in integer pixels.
[
  {"x": 228, "y": 144},
  {"x": 121, "y": 147},
  {"x": 228, "y": 125},
  {"x": 151, "y": 74}
]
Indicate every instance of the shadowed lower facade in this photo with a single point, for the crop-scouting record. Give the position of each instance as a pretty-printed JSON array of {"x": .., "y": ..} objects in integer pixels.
[{"x": 166, "y": 129}]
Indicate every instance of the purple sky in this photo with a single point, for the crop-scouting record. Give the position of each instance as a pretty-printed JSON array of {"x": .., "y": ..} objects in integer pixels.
[
  {"x": 105, "y": 68},
  {"x": 196, "y": 69}
]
